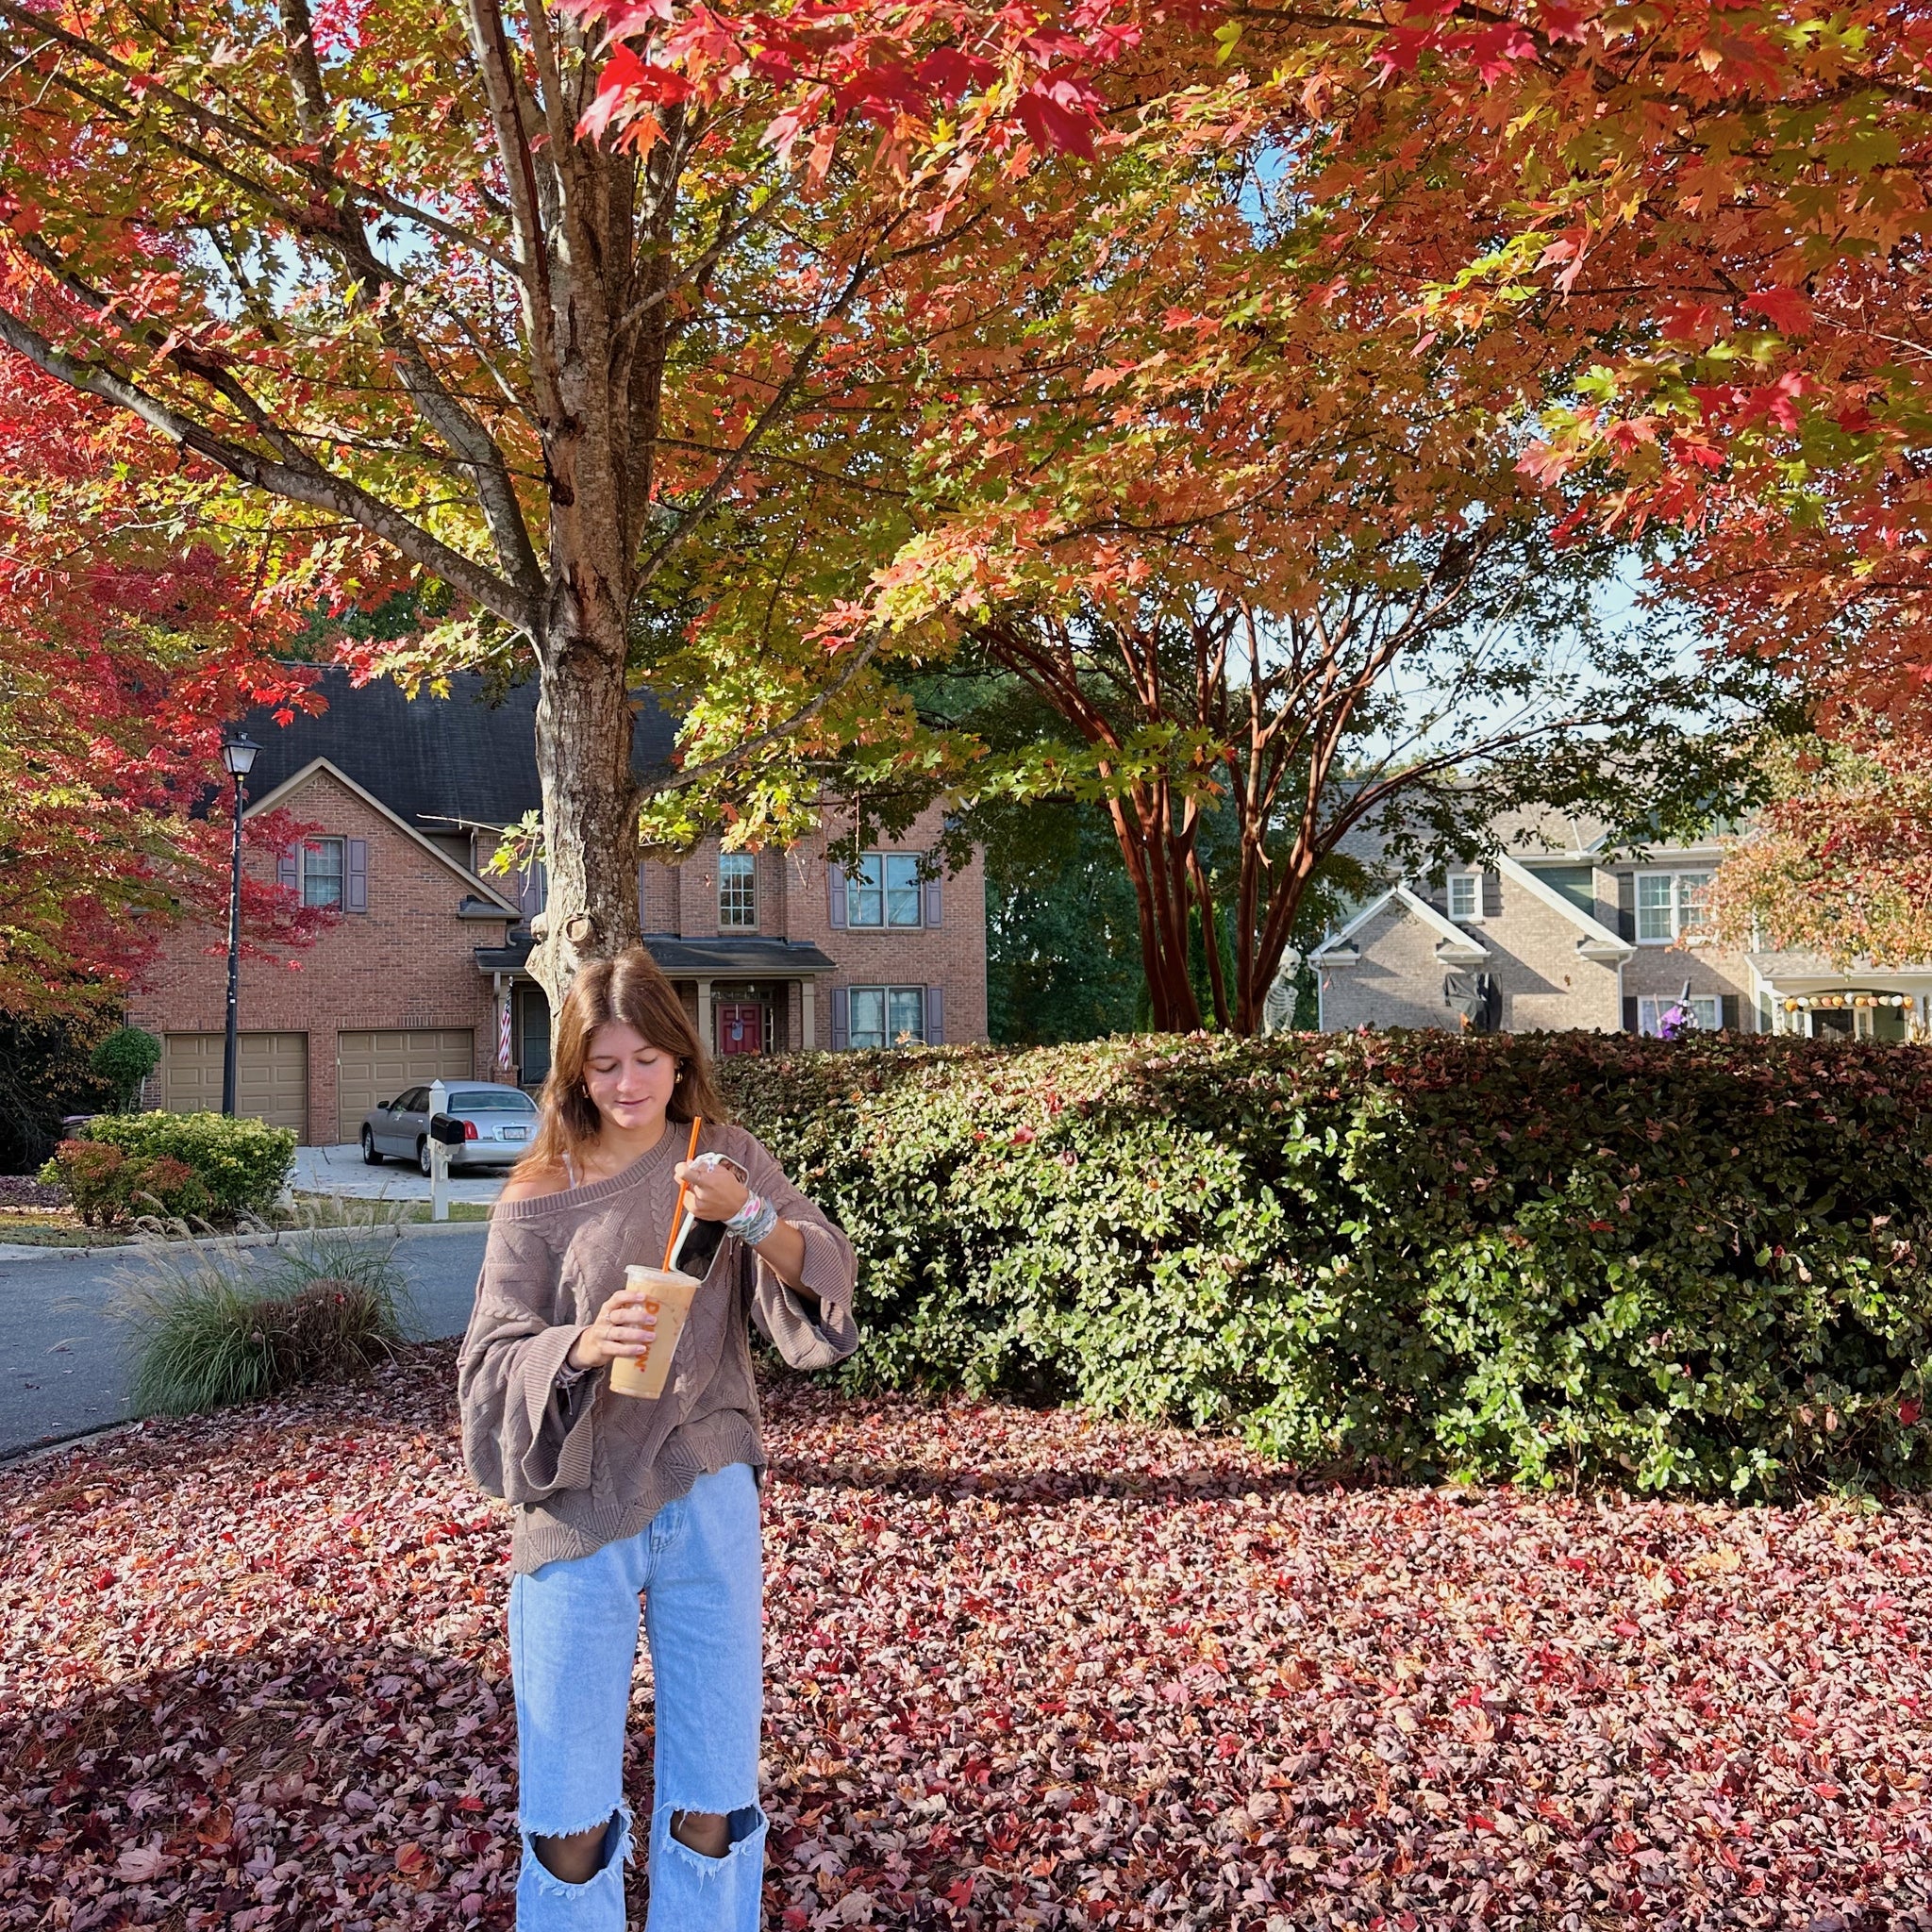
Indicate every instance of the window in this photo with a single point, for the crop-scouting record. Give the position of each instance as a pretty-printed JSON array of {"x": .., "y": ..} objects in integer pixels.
[
  {"x": 1465, "y": 895},
  {"x": 492, "y": 1100},
  {"x": 1701, "y": 1013},
  {"x": 321, "y": 872},
  {"x": 883, "y": 890},
  {"x": 738, "y": 890},
  {"x": 1669, "y": 904},
  {"x": 888, "y": 1016}
]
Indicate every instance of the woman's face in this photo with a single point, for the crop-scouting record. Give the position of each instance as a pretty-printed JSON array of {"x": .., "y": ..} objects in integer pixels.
[{"x": 628, "y": 1079}]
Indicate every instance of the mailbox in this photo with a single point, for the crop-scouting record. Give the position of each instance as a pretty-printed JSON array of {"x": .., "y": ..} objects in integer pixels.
[{"x": 450, "y": 1132}]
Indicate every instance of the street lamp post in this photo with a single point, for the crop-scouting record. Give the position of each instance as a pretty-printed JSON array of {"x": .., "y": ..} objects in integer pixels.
[{"x": 238, "y": 756}]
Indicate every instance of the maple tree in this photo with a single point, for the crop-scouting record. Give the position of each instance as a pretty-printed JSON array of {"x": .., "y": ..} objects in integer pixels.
[
  {"x": 121, "y": 648},
  {"x": 1838, "y": 859},
  {"x": 1724, "y": 205},
  {"x": 510, "y": 299},
  {"x": 1269, "y": 556}
]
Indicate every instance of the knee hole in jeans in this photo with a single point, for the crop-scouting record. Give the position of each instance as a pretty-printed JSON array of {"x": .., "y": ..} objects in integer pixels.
[
  {"x": 576, "y": 1858},
  {"x": 707, "y": 1833}
]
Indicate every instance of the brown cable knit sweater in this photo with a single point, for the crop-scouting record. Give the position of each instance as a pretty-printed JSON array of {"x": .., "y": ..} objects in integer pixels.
[{"x": 582, "y": 1465}]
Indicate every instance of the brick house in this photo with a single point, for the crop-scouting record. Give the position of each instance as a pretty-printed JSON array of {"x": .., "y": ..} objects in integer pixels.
[
  {"x": 1560, "y": 933},
  {"x": 424, "y": 974}
]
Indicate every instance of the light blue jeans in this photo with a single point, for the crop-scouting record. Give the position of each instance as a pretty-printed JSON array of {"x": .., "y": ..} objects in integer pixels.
[{"x": 573, "y": 1646}]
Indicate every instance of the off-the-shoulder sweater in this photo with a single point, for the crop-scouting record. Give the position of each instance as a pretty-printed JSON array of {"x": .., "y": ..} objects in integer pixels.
[{"x": 582, "y": 1465}]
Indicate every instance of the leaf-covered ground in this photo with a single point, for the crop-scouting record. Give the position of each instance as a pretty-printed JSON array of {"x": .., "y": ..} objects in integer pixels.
[{"x": 1024, "y": 1670}]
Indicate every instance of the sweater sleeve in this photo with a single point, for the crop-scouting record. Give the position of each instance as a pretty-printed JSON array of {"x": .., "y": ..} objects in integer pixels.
[
  {"x": 523, "y": 1437},
  {"x": 808, "y": 1339}
]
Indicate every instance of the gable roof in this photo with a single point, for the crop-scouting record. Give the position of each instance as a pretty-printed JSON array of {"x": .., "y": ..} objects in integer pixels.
[
  {"x": 269, "y": 800},
  {"x": 438, "y": 762},
  {"x": 1451, "y": 938},
  {"x": 1597, "y": 941}
]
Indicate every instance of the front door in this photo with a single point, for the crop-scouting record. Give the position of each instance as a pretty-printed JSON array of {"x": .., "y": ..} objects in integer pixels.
[{"x": 740, "y": 1027}]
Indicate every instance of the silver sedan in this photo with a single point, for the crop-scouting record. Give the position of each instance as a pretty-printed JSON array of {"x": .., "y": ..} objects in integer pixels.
[{"x": 498, "y": 1126}]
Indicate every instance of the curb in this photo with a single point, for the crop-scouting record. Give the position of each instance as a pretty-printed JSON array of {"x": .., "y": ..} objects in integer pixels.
[
  {"x": 407, "y": 1230},
  {"x": 16, "y": 1458}
]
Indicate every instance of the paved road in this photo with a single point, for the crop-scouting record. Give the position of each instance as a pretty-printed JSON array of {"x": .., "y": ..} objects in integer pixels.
[{"x": 64, "y": 1365}]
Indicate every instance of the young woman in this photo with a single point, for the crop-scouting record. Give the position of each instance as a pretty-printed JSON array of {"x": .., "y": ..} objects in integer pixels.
[{"x": 617, "y": 1496}]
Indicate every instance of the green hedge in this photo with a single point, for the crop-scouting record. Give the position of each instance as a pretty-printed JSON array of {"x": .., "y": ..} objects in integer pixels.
[
  {"x": 1695, "y": 1264},
  {"x": 243, "y": 1164}
]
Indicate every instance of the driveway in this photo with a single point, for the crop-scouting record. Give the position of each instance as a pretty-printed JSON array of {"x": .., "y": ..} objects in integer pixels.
[
  {"x": 340, "y": 1171},
  {"x": 63, "y": 1357}
]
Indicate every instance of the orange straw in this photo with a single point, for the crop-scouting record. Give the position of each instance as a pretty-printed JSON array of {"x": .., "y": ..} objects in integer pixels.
[{"x": 678, "y": 1212}]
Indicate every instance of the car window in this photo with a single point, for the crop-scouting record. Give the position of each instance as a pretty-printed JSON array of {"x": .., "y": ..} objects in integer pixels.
[
  {"x": 490, "y": 1099},
  {"x": 414, "y": 1101}
]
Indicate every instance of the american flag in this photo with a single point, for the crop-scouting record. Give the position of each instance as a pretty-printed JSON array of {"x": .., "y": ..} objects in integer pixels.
[{"x": 503, "y": 1034}]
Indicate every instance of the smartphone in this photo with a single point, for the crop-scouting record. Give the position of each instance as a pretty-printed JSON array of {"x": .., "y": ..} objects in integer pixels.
[
  {"x": 696, "y": 1246},
  {"x": 698, "y": 1242}
]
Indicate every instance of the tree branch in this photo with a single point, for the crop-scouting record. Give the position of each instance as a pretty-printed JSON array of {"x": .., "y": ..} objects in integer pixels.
[{"x": 297, "y": 476}]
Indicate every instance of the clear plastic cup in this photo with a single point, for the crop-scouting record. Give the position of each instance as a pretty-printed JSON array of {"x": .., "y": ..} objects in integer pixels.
[{"x": 669, "y": 1298}]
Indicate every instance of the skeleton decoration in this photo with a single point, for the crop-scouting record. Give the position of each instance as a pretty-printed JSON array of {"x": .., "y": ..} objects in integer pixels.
[{"x": 1277, "y": 1010}]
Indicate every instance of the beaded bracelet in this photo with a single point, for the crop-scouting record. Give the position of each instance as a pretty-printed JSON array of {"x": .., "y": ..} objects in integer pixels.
[{"x": 754, "y": 1221}]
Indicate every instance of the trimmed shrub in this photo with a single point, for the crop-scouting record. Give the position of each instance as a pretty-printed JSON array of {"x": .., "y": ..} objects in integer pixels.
[
  {"x": 222, "y": 1325},
  {"x": 1697, "y": 1263},
  {"x": 242, "y": 1164},
  {"x": 125, "y": 1060},
  {"x": 107, "y": 1188}
]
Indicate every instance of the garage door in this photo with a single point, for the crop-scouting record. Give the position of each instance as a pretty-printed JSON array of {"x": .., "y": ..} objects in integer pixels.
[
  {"x": 271, "y": 1077},
  {"x": 371, "y": 1067}
]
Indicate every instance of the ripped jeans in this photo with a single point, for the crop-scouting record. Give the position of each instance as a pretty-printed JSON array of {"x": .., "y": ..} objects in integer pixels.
[{"x": 573, "y": 1646}]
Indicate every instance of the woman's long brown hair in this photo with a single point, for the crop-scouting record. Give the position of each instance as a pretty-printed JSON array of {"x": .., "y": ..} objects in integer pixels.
[{"x": 630, "y": 988}]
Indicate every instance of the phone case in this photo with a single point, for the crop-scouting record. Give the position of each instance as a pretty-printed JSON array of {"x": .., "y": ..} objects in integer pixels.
[{"x": 696, "y": 1246}]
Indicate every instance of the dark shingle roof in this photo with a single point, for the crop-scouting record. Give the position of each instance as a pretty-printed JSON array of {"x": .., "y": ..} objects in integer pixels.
[
  {"x": 720, "y": 959},
  {"x": 431, "y": 759}
]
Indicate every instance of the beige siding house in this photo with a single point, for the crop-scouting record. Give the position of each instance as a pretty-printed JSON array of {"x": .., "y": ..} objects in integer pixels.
[{"x": 1561, "y": 934}]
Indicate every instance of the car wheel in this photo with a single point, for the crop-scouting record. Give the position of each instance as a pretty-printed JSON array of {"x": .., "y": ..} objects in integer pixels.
[
  {"x": 370, "y": 1156},
  {"x": 422, "y": 1159}
]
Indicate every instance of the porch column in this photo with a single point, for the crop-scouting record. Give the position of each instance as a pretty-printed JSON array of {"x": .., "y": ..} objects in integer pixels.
[
  {"x": 807, "y": 1015},
  {"x": 706, "y": 1031}
]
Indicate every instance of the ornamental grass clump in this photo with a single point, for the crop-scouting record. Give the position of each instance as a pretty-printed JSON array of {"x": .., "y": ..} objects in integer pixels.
[
  {"x": 219, "y": 1323},
  {"x": 1702, "y": 1264}
]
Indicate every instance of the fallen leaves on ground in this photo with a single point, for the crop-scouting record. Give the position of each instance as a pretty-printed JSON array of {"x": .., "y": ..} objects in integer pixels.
[{"x": 1024, "y": 1669}]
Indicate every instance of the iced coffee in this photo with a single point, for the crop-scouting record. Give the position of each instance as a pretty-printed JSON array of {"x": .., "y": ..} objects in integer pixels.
[{"x": 667, "y": 1296}]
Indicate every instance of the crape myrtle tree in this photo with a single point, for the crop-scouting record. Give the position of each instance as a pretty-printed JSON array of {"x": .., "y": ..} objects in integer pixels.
[
  {"x": 509, "y": 299},
  {"x": 1399, "y": 713}
]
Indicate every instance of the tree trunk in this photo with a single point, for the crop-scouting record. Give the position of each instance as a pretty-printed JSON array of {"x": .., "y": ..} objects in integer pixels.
[
  {"x": 584, "y": 725},
  {"x": 1163, "y": 917}
]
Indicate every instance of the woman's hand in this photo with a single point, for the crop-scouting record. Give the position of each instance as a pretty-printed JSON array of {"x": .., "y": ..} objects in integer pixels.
[
  {"x": 624, "y": 1328},
  {"x": 713, "y": 1191}
]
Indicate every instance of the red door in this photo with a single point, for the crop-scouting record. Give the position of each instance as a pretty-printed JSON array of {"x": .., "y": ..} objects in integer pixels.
[{"x": 741, "y": 1029}]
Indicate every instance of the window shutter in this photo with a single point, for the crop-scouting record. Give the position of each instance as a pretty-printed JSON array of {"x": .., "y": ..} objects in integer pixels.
[
  {"x": 1630, "y": 1020},
  {"x": 644, "y": 905},
  {"x": 932, "y": 902},
  {"x": 287, "y": 874},
  {"x": 842, "y": 1018},
  {"x": 356, "y": 876},
  {"x": 1626, "y": 913},
  {"x": 935, "y": 1017},
  {"x": 835, "y": 903},
  {"x": 1727, "y": 1012}
]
